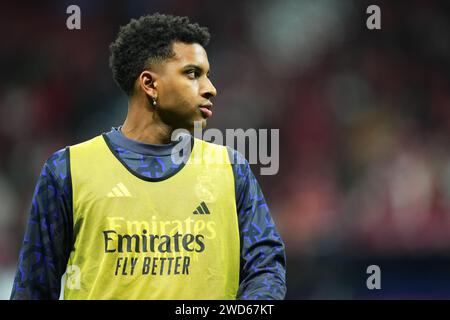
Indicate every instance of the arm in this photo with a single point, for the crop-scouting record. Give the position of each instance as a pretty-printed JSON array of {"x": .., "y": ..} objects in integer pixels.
[
  {"x": 263, "y": 261},
  {"x": 48, "y": 238}
]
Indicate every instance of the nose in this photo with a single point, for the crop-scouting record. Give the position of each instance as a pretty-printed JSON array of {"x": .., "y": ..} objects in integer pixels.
[{"x": 209, "y": 90}]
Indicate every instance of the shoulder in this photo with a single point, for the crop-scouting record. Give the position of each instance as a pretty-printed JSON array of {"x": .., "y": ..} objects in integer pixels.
[
  {"x": 88, "y": 143},
  {"x": 236, "y": 158},
  {"x": 56, "y": 168},
  {"x": 241, "y": 170},
  {"x": 58, "y": 161}
]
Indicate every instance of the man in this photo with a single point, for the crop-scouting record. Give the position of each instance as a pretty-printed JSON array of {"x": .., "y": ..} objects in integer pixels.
[{"x": 126, "y": 221}]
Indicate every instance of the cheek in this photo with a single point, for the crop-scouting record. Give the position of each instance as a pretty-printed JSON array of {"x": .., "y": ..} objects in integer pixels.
[{"x": 179, "y": 94}]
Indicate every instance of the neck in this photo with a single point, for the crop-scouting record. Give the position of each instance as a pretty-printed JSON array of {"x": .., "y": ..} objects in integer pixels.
[{"x": 143, "y": 124}]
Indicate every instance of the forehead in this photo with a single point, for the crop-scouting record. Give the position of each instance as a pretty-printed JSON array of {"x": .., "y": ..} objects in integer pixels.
[{"x": 189, "y": 53}]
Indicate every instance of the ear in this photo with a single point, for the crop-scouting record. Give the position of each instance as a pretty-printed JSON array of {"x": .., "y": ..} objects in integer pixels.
[{"x": 147, "y": 82}]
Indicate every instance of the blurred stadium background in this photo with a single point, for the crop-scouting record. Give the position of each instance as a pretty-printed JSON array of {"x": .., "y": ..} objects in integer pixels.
[{"x": 364, "y": 119}]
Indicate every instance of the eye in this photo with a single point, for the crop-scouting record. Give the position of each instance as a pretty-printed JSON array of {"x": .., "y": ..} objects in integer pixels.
[{"x": 193, "y": 74}]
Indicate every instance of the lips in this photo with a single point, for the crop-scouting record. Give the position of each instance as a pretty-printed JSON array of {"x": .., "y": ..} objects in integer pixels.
[{"x": 206, "y": 110}]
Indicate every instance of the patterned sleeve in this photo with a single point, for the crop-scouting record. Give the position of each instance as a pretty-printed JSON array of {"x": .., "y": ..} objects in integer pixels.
[
  {"x": 263, "y": 260},
  {"x": 48, "y": 236}
]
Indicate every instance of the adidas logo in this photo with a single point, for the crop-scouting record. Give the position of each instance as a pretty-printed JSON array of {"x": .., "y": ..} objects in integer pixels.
[
  {"x": 119, "y": 191},
  {"x": 202, "y": 209}
]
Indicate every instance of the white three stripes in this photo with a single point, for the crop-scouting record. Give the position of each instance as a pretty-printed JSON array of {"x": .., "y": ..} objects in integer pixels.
[{"x": 119, "y": 191}]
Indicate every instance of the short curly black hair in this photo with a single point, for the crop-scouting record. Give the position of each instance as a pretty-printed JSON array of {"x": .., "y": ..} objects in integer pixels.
[{"x": 147, "y": 40}]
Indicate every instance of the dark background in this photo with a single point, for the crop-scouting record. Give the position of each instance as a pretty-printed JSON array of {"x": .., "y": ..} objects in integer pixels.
[{"x": 364, "y": 120}]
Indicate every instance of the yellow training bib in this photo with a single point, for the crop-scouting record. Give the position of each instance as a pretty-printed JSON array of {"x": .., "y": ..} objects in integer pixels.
[{"x": 176, "y": 238}]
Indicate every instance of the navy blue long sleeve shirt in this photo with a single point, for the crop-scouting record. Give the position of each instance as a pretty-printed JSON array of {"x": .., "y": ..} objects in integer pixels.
[{"x": 49, "y": 234}]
